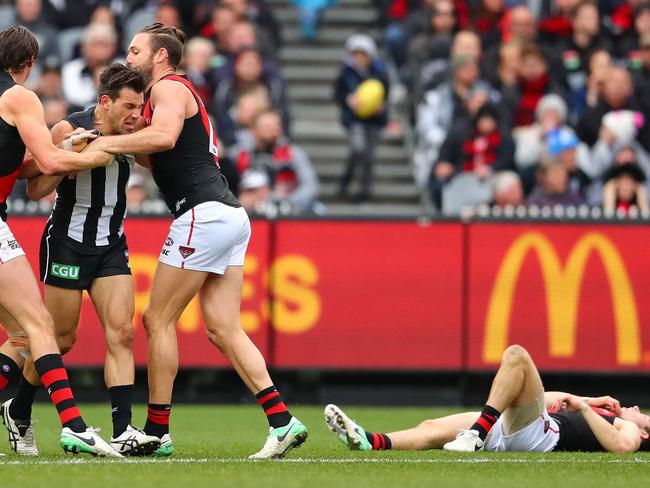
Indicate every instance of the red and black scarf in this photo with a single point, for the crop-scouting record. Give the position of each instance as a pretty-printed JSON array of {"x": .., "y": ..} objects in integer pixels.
[
  {"x": 531, "y": 92},
  {"x": 481, "y": 150}
]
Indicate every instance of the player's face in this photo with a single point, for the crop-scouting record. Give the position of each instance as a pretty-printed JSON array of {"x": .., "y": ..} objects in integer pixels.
[
  {"x": 633, "y": 414},
  {"x": 124, "y": 112},
  {"x": 140, "y": 56}
]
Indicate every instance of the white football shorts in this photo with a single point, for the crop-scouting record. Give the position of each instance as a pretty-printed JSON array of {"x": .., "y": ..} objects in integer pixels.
[
  {"x": 542, "y": 435},
  {"x": 209, "y": 237},
  {"x": 9, "y": 246}
]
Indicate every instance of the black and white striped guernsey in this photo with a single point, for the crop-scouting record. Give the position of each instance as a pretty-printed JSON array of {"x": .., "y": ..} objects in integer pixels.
[{"x": 90, "y": 208}]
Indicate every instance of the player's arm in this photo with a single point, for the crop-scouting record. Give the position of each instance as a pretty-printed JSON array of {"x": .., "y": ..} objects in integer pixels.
[
  {"x": 41, "y": 185},
  {"x": 622, "y": 436},
  {"x": 559, "y": 399},
  {"x": 28, "y": 117},
  {"x": 168, "y": 98}
]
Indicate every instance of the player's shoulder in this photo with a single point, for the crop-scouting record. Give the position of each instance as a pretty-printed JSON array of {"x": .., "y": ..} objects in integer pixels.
[
  {"x": 168, "y": 88},
  {"x": 20, "y": 98}
]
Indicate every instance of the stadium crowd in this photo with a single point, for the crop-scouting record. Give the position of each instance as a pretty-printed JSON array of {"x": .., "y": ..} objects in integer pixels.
[{"x": 537, "y": 102}]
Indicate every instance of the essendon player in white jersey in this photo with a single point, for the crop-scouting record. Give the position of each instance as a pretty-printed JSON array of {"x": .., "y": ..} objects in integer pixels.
[
  {"x": 204, "y": 251},
  {"x": 518, "y": 416}
]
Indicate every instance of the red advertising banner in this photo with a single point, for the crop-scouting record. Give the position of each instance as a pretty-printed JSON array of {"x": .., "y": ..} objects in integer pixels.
[
  {"x": 382, "y": 295},
  {"x": 145, "y": 238},
  {"x": 573, "y": 295}
]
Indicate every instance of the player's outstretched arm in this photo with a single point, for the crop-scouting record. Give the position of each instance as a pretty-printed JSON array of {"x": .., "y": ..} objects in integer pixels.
[
  {"x": 169, "y": 100},
  {"x": 28, "y": 116}
]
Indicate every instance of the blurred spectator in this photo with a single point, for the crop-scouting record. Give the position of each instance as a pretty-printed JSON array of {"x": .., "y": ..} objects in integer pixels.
[
  {"x": 436, "y": 71},
  {"x": 360, "y": 66},
  {"x": 68, "y": 13},
  {"x": 431, "y": 46},
  {"x": 563, "y": 144},
  {"x": 55, "y": 110},
  {"x": 437, "y": 113},
  {"x": 255, "y": 191},
  {"x": 624, "y": 189},
  {"x": 576, "y": 51},
  {"x": 218, "y": 30},
  {"x": 99, "y": 44},
  {"x": 310, "y": 12},
  {"x": 465, "y": 191},
  {"x": 617, "y": 94},
  {"x": 533, "y": 83},
  {"x": 393, "y": 16},
  {"x": 243, "y": 35},
  {"x": 245, "y": 73},
  {"x": 49, "y": 84},
  {"x": 261, "y": 15},
  {"x": 618, "y": 130},
  {"x": 629, "y": 45},
  {"x": 103, "y": 14},
  {"x": 29, "y": 13},
  {"x": 291, "y": 175},
  {"x": 136, "y": 192},
  {"x": 555, "y": 24},
  {"x": 481, "y": 150},
  {"x": 486, "y": 20},
  {"x": 550, "y": 114},
  {"x": 249, "y": 105},
  {"x": 168, "y": 14},
  {"x": 507, "y": 189},
  {"x": 600, "y": 63},
  {"x": 641, "y": 76},
  {"x": 197, "y": 63},
  {"x": 506, "y": 68},
  {"x": 553, "y": 185}
]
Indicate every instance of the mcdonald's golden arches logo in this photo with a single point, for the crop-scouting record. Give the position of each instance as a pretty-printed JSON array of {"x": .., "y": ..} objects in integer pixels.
[{"x": 562, "y": 287}]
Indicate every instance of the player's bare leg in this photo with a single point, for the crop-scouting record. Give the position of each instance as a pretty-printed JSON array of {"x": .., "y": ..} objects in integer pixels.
[
  {"x": 430, "y": 434},
  {"x": 21, "y": 300},
  {"x": 113, "y": 298},
  {"x": 220, "y": 299},
  {"x": 517, "y": 392},
  {"x": 171, "y": 291}
]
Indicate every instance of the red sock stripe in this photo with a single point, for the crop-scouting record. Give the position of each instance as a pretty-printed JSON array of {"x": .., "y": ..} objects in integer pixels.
[
  {"x": 268, "y": 397},
  {"x": 280, "y": 407},
  {"x": 68, "y": 414},
  {"x": 59, "y": 395},
  {"x": 484, "y": 423},
  {"x": 376, "y": 443},
  {"x": 159, "y": 416},
  {"x": 54, "y": 375},
  {"x": 3, "y": 383}
]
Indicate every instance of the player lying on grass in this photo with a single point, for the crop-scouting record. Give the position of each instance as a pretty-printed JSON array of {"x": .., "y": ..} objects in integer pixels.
[{"x": 519, "y": 416}]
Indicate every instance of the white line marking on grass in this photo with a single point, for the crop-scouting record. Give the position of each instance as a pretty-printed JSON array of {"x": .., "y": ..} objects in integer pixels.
[{"x": 322, "y": 461}]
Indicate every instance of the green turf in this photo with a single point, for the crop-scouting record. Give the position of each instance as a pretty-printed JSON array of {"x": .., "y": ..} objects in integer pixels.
[{"x": 212, "y": 442}]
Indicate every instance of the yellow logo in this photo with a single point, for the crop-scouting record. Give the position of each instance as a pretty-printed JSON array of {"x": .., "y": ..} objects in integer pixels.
[{"x": 562, "y": 286}]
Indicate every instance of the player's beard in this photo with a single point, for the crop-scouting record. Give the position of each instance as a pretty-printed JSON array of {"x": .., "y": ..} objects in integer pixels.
[{"x": 146, "y": 70}]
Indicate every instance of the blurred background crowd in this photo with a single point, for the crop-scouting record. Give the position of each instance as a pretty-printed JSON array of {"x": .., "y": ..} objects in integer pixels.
[{"x": 387, "y": 106}]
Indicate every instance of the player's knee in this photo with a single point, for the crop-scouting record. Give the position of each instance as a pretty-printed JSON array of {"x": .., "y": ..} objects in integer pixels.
[
  {"x": 427, "y": 424},
  {"x": 222, "y": 337},
  {"x": 151, "y": 321},
  {"x": 121, "y": 337},
  {"x": 515, "y": 354}
]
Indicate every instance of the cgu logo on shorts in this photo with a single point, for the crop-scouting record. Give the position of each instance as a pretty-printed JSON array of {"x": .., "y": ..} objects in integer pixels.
[
  {"x": 562, "y": 287},
  {"x": 65, "y": 271}
]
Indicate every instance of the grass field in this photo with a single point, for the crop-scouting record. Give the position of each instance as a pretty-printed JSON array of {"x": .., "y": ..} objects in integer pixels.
[{"x": 212, "y": 442}]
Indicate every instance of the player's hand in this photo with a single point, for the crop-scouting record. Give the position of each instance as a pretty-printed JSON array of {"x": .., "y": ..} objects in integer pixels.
[
  {"x": 78, "y": 139},
  {"x": 570, "y": 403},
  {"x": 606, "y": 402}
]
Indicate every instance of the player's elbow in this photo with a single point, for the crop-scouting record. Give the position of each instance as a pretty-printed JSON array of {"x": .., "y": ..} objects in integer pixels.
[
  {"x": 32, "y": 192},
  {"x": 623, "y": 446}
]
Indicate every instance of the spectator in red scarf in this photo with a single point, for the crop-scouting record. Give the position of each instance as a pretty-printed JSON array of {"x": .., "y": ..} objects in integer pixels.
[
  {"x": 483, "y": 149},
  {"x": 292, "y": 178},
  {"x": 534, "y": 82},
  {"x": 218, "y": 29},
  {"x": 628, "y": 42}
]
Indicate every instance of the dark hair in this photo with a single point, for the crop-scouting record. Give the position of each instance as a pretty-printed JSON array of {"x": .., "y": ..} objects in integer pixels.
[
  {"x": 532, "y": 50},
  {"x": 118, "y": 76},
  {"x": 18, "y": 48},
  {"x": 172, "y": 39}
]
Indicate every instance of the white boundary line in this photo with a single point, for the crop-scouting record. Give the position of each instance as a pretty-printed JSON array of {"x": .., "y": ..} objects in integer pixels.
[{"x": 83, "y": 460}]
